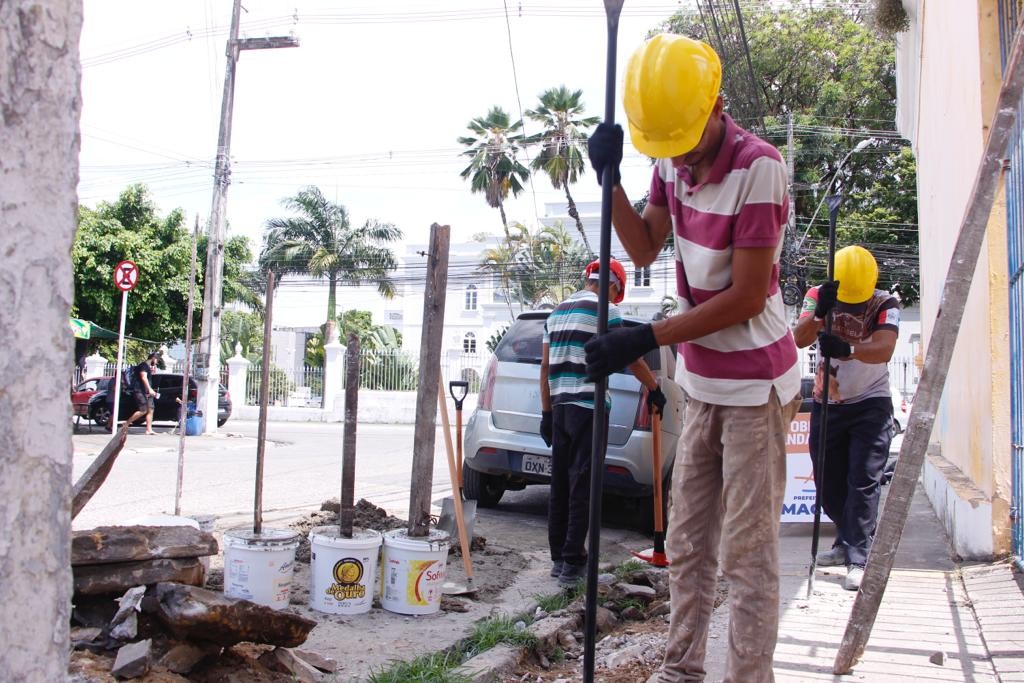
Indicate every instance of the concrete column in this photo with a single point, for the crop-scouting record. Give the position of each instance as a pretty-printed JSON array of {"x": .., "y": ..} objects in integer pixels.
[
  {"x": 95, "y": 365},
  {"x": 238, "y": 376},
  {"x": 334, "y": 372}
]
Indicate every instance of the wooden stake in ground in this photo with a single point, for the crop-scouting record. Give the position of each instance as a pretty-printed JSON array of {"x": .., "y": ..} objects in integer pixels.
[
  {"x": 183, "y": 413},
  {"x": 936, "y": 366},
  {"x": 261, "y": 433},
  {"x": 348, "y": 448},
  {"x": 91, "y": 480},
  {"x": 430, "y": 366},
  {"x": 460, "y": 520}
]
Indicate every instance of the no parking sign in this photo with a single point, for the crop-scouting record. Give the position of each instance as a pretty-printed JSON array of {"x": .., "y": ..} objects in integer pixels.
[{"x": 126, "y": 276}]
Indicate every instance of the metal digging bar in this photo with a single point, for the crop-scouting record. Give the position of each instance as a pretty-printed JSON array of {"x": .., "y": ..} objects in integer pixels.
[
  {"x": 819, "y": 461},
  {"x": 612, "y": 10}
]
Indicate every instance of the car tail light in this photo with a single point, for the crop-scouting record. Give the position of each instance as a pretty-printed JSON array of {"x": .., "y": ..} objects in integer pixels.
[
  {"x": 643, "y": 415},
  {"x": 486, "y": 396},
  {"x": 616, "y": 469},
  {"x": 487, "y": 451},
  {"x": 227, "y": 395},
  {"x": 193, "y": 394}
]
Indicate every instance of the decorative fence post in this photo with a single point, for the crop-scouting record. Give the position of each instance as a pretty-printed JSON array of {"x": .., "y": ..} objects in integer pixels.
[
  {"x": 238, "y": 375},
  {"x": 95, "y": 365},
  {"x": 334, "y": 369}
]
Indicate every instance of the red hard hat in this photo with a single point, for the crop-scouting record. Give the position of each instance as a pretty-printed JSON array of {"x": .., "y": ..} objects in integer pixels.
[{"x": 618, "y": 272}]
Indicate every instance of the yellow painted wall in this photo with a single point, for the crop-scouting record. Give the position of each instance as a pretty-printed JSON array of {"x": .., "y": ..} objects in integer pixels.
[{"x": 958, "y": 85}]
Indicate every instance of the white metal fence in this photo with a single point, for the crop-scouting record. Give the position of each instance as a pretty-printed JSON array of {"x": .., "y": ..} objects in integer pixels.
[{"x": 903, "y": 372}]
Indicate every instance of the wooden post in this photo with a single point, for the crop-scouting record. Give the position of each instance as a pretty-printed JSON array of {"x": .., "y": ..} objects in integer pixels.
[
  {"x": 183, "y": 412},
  {"x": 348, "y": 448},
  {"x": 426, "y": 390},
  {"x": 261, "y": 432},
  {"x": 91, "y": 480},
  {"x": 936, "y": 366}
]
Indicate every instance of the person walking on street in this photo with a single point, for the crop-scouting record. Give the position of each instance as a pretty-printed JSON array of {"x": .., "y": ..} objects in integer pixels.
[
  {"x": 567, "y": 417},
  {"x": 721, "y": 192},
  {"x": 143, "y": 392},
  {"x": 858, "y": 430}
]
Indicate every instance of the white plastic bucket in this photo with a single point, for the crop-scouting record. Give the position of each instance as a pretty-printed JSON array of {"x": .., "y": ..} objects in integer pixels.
[
  {"x": 343, "y": 570},
  {"x": 258, "y": 567},
  {"x": 413, "y": 571}
]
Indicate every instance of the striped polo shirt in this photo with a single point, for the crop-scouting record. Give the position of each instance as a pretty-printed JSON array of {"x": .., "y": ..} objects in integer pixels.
[
  {"x": 571, "y": 325},
  {"x": 743, "y": 204}
]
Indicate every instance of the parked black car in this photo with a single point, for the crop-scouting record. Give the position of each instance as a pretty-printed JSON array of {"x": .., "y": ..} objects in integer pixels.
[{"x": 165, "y": 409}]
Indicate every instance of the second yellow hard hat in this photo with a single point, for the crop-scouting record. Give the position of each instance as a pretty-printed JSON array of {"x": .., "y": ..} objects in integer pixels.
[
  {"x": 857, "y": 273},
  {"x": 671, "y": 85}
]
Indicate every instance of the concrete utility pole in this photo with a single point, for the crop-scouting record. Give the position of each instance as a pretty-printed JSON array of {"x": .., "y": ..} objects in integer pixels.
[{"x": 208, "y": 359}]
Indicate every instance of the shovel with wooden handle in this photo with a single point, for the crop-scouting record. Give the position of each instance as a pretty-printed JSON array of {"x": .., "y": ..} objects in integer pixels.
[
  {"x": 656, "y": 555},
  {"x": 451, "y": 588}
]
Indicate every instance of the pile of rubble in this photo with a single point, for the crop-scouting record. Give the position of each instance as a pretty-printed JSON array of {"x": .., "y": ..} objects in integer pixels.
[{"x": 139, "y": 609}]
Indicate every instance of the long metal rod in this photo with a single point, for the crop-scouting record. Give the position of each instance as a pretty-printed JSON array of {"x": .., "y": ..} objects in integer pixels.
[
  {"x": 819, "y": 460},
  {"x": 183, "y": 411},
  {"x": 597, "y": 451},
  {"x": 261, "y": 433}
]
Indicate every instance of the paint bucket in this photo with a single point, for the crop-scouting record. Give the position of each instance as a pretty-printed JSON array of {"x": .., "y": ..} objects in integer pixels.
[
  {"x": 194, "y": 424},
  {"x": 343, "y": 571},
  {"x": 413, "y": 571},
  {"x": 258, "y": 567}
]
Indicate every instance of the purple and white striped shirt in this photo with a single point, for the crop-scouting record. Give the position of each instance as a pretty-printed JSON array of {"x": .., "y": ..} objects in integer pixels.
[{"x": 742, "y": 205}]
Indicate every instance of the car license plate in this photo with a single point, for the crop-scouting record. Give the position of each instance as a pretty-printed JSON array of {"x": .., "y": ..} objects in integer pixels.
[{"x": 537, "y": 464}]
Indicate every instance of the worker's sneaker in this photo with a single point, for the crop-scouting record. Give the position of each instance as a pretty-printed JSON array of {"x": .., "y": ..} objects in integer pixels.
[
  {"x": 854, "y": 574},
  {"x": 834, "y": 557},
  {"x": 571, "y": 573},
  {"x": 556, "y": 568}
]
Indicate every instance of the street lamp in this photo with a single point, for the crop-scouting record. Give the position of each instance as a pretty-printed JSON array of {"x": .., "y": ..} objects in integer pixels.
[{"x": 860, "y": 147}]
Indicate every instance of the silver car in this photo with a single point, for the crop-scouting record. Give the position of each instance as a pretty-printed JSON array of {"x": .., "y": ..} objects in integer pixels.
[{"x": 503, "y": 447}]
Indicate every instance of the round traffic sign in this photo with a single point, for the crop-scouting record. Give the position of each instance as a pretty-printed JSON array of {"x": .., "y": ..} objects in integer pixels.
[{"x": 126, "y": 276}]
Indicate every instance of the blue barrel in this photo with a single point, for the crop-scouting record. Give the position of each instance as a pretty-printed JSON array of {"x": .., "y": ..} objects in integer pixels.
[{"x": 194, "y": 424}]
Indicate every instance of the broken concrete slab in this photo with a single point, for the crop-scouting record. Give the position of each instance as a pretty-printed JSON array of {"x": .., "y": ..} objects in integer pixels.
[
  {"x": 318, "y": 660},
  {"x": 184, "y": 657},
  {"x": 298, "y": 668},
  {"x": 490, "y": 666},
  {"x": 110, "y": 544},
  {"x": 193, "y": 613},
  {"x": 100, "y": 579},
  {"x": 133, "y": 660},
  {"x": 125, "y": 624},
  {"x": 644, "y": 594}
]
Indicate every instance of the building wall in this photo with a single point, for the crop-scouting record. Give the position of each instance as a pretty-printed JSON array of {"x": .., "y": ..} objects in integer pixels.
[{"x": 949, "y": 79}]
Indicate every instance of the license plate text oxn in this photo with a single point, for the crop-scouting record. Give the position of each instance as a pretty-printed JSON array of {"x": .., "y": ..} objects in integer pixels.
[{"x": 537, "y": 464}]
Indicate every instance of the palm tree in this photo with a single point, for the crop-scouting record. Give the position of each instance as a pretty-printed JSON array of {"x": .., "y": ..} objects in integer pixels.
[
  {"x": 493, "y": 168},
  {"x": 322, "y": 242},
  {"x": 562, "y": 143}
]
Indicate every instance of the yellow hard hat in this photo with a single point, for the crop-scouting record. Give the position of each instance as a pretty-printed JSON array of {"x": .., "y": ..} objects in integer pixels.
[
  {"x": 857, "y": 273},
  {"x": 671, "y": 86}
]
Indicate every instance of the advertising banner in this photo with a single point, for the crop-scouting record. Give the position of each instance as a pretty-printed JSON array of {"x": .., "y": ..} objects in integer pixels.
[{"x": 798, "y": 501}]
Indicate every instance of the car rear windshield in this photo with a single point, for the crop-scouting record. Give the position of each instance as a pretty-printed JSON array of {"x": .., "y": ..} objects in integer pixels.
[{"x": 524, "y": 339}]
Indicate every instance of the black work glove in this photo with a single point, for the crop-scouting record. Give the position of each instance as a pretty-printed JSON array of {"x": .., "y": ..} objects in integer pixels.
[
  {"x": 616, "y": 349},
  {"x": 832, "y": 346},
  {"x": 656, "y": 401},
  {"x": 604, "y": 148},
  {"x": 828, "y": 291},
  {"x": 545, "y": 427}
]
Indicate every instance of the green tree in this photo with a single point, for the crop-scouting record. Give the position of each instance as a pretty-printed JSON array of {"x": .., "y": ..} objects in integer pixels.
[
  {"x": 321, "y": 242},
  {"x": 244, "y": 328},
  {"x": 836, "y": 75},
  {"x": 563, "y": 143},
  {"x": 494, "y": 169},
  {"x": 535, "y": 268},
  {"x": 131, "y": 229}
]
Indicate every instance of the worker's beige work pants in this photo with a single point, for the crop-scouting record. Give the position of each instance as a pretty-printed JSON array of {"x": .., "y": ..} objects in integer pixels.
[{"x": 729, "y": 475}]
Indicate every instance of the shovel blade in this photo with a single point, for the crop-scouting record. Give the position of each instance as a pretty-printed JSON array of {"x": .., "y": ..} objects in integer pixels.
[{"x": 446, "y": 522}]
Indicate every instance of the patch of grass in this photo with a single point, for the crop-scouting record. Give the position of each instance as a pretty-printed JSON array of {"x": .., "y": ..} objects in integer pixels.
[
  {"x": 431, "y": 668},
  {"x": 625, "y": 570},
  {"x": 630, "y": 602},
  {"x": 491, "y": 632},
  {"x": 557, "y": 655}
]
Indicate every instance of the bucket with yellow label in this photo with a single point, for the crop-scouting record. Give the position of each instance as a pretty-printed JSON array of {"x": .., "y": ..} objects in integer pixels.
[{"x": 413, "y": 571}]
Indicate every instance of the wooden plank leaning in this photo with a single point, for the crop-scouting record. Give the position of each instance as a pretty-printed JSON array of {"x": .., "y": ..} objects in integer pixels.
[
  {"x": 91, "y": 480},
  {"x": 962, "y": 263}
]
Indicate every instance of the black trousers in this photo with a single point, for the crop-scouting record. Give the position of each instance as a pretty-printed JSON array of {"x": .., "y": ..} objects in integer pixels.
[
  {"x": 856, "y": 449},
  {"x": 569, "y": 498}
]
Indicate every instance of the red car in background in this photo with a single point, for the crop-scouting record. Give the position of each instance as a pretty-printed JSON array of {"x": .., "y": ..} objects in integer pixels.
[{"x": 84, "y": 391}]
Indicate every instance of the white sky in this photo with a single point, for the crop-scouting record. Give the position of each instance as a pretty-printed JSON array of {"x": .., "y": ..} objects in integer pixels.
[{"x": 368, "y": 107}]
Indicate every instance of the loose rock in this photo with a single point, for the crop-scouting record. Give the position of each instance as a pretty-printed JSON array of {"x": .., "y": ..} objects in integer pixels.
[{"x": 133, "y": 660}]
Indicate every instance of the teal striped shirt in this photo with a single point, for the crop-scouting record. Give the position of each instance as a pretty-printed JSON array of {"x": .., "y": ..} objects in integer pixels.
[{"x": 571, "y": 325}]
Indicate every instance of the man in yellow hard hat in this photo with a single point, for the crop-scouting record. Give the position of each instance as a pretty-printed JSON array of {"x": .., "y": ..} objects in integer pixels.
[
  {"x": 721, "y": 192},
  {"x": 865, "y": 325}
]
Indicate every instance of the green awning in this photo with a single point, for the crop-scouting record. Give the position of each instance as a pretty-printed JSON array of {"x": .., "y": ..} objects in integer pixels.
[{"x": 85, "y": 329}]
